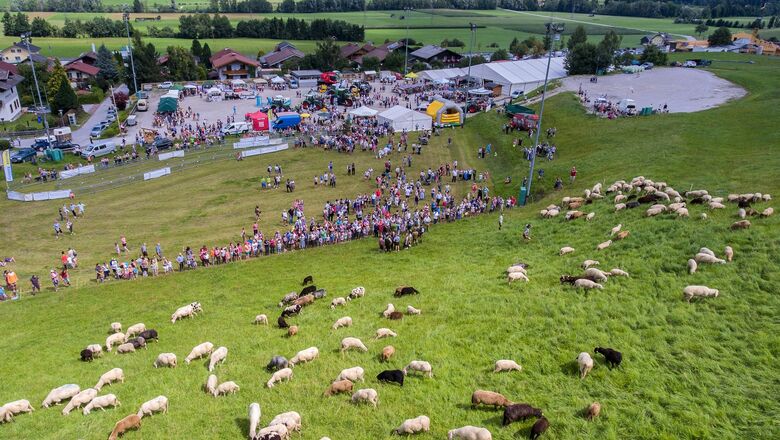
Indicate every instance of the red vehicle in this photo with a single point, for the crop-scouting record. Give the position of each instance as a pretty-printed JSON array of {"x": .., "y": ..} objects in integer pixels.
[
  {"x": 524, "y": 121},
  {"x": 329, "y": 78}
]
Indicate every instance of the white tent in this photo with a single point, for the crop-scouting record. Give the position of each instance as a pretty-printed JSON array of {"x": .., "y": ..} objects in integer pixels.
[
  {"x": 441, "y": 74},
  {"x": 278, "y": 80},
  {"x": 401, "y": 118},
  {"x": 524, "y": 75},
  {"x": 363, "y": 112}
]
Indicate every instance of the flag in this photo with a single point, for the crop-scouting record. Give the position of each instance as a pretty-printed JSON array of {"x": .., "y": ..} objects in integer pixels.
[{"x": 9, "y": 177}]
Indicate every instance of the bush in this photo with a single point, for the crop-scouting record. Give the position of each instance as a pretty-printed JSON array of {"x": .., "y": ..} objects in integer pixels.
[
  {"x": 111, "y": 131},
  {"x": 94, "y": 97},
  {"x": 5, "y": 144}
]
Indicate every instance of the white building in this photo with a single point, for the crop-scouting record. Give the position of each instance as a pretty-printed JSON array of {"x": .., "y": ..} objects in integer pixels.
[
  {"x": 525, "y": 75},
  {"x": 10, "y": 108}
]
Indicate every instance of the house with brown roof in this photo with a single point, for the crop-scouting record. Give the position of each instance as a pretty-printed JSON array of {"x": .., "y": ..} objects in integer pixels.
[
  {"x": 79, "y": 73},
  {"x": 86, "y": 58},
  {"x": 432, "y": 53},
  {"x": 369, "y": 51},
  {"x": 18, "y": 52},
  {"x": 283, "y": 51},
  {"x": 229, "y": 64}
]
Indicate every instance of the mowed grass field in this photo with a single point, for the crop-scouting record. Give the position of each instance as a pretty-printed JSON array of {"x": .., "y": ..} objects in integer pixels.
[{"x": 701, "y": 370}]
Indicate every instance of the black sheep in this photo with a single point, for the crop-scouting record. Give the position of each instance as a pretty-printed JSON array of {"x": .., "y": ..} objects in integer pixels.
[
  {"x": 697, "y": 201},
  {"x": 307, "y": 280},
  {"x": 281, "y": 322},
  {"x": 539, "y": 427},
  {"x": 648, "y": 198},
  {"x": 292, "y": 310},
  {"x": 307, "y": 290},
  {"x": 631, "y": 205},
  {"x": 86, "y": 355},
  {"x": 405, "y": 290},
  {"x": 320, "y": 293},
  {"x": 277, "y": 363},
  {"x": 268, "y": 436},
  {"x": 148, "y": 335},
  {"x": 744, "y": 203},
  {"x": 520, "y": 411},
  {"x": 613, "y": 357},
  {"x": 569, "y": 279},
  {"x": 138, "y": 342},
  {"x": 631, "y": 197},
  {"x": 395, "y": 315},
  {"x": 396, "y": 376}
]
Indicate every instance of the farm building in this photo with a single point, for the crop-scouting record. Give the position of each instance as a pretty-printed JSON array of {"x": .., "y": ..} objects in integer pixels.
[
  {"x": 229, "y": 64},
  {"x": 282, "y": 52},
  {"x": 431, "y": 53}
]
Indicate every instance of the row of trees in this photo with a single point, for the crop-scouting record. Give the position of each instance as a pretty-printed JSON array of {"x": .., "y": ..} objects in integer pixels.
[
  {"x": 218, "y": 26},
  {"x": 755, "y": 24},
  {"x": 97, "y": 27}
]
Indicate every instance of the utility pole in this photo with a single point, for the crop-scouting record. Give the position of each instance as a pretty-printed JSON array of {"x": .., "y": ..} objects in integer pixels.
[
  {"x": 407, "y": 13},
  {"x": 126, "y": 18},
  {"x": 41, "y": 111},
  {"x": 473, "y": 30}
]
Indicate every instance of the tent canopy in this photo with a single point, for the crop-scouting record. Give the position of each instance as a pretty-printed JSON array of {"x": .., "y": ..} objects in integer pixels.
[
  {"x": 519, "y": 75},
  {"x": 363, "y": 112},
  {"x": 441, "y": 74},
  {"x": 480, "y": 91},
  {"x": 259, "y": 120},
  {"x": 401, "y": 118},
  {"x": 278, "y": 80},
  {"x": 167, "y": 105}
]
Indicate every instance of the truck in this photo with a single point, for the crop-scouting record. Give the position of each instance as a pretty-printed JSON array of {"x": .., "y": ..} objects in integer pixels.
[
  {"x": 237, "y": 127},
  {"x": 286, "y": 120},
  {"x": 627, "y": 106}
]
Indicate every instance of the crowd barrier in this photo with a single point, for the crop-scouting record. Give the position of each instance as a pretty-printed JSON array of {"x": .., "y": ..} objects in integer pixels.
[
  {"x": 258, "y": 151},
  {"x": 38, "y": 196},
  {"x": 256, "y": 141},
  {"x": 166, "y": 156},
  {"x": 75, "y": 172},
  {"x": 157, "y": 173}
]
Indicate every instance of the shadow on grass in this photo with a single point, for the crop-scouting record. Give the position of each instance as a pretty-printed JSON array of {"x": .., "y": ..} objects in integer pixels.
[
  {"x": 243, "y": 424},
  {"x": 570, "y": 369}
]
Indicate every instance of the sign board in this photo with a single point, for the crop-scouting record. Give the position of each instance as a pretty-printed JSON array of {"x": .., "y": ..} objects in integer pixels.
[
  {"x": 166, "y": 156},
  {"x": 259, "y": 151},
  {"x": 157, "y": 173}
]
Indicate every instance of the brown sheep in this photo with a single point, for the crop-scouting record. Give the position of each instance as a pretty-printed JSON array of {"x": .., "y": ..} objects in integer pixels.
[
  {"x": 341, "y": 386},
  {"x": 122, "y": 426},
  {"x": 742, "y": 224},
  {"x": 489, "y": 398},
  {"x": 622, "y": 234},
  {"x": 593, "y": 410},
  {"x": 395, "y": 315},
  {"x": 575, "y": 205},
  {"x": 387, "y": 353},
  {"x": 292, "y": 331},
  {"x": 304, "y": 300}
]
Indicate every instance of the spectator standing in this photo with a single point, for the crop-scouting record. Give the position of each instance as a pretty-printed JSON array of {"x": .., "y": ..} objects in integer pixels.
[
  {"x": 572, "y": 174},
  {"x": 36, "y": 284}
]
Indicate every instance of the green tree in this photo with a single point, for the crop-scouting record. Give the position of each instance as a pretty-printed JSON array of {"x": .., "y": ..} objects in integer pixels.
[
  {"x": 56, "y": 77},
  {"x": 197, "y": 50},
  {"x": 653, "y": 54},
  {"x": 581, "y": 60},
  {"x": 286, "y": 6},
  {"x": 180, "y": 66},
  {"x": 61, "y": 95},
  {"x": 21, "y": 23},
  {"x": 205, "y": 55},
  {"x": 370, "y": 63},
  {"x": 145, "y": 58},
  {"x": 721, "y": 37},
  {"x": 701, "y": 28},
  {"x": 605, "y": 55},
  {"x": 578, "y": 36},
  {"x": 328, "y": 55},
  {"x": 394, "y": 62},
  {"x": 500, "y": 54},
  {"x": 8, "y": 24},
  {"x": 138, "y": 7},
  {"x": 105, "y": 62},
  {"x": 42, "y": 28}
]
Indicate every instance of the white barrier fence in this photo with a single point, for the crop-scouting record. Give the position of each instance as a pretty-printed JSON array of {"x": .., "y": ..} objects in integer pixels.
[
  {"x": 258, "y": 151},
  {"x": 256, "y": 141},
  {"x": 157, "y": 173},
  {"x": 166, "y": 156},
  {"x": 39, "y": 196},
  {"x": 77, "y": 171}
]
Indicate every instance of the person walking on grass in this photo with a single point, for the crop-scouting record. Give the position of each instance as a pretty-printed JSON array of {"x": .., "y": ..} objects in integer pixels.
[
  {"x": 65, "y": 277},
  {"x": 69, "y": 225},
  {"x": 57, "y": 229},
  {"x": 527, "y": 232},
  {"x": 500, "y": 221},
  {"x": 55, "y": 279},
  {"x": 35, "y": 282},
  {"x": 572, "y": 174}
]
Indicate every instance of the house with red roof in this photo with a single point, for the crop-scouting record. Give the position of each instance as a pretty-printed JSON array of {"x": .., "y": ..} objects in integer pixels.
[
  {"x": 283, "y": 51},
  {"x": 79, "y": 73},
  {"x": 229, "y": 64}
]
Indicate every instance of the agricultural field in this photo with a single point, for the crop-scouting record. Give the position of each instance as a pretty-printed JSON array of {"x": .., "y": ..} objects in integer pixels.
[{"x": 700, "y": 370}]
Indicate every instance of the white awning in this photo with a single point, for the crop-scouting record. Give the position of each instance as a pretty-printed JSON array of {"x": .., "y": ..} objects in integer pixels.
[{"x": 363, "y": 112}]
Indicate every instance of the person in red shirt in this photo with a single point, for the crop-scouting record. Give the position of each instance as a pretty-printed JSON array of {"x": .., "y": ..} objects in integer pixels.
[
  {"x": 64, "y": 259},
  {"x": 572, "y": 174}
]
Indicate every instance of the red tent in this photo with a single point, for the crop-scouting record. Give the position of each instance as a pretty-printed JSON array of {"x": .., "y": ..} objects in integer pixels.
[{"x": 259, "y": 121}]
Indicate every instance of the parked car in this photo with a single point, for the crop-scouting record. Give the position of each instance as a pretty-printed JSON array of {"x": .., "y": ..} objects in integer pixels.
[
  {"x": 42, "y": 142},
  {"x": 97, "y": 130},
  {"x": 147, "y": 87},
  {"x": 97, "y": 150},
  {"x": 65, "y": 146},
  {"x": 516, "y": 94},
  {"x": 165, "y": 85},
  {"x": 110, "y": 117},
  {"x": 159, "y": 143},
  {"x": 689, "y": 63},
  {"x": 131, "y": 120},
  {"x": 142, "y": 105},
  {"x": 246, "y": 94},
  {"x": 647, "y": 66},
  {"x": 23, "y": 155},
  {"x": 235, "y": 128}
]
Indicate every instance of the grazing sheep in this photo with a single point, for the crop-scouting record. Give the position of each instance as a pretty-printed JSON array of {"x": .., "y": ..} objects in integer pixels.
[
  {"x": 211, "y": 384},
  {"x": 588, "y": 263},
  {"x": 116, "y": 327},
  {"x": 390, "y": 309},
  {"x": 716, "y": 205},
  {"x": 304, "y": 300},
  {"x": 354, "y": 374},
  {"x": 701, "y": 291},
  {"x": 228, "y": 387},
  {"x": 573, "y": 215},
  {"x": 125, "y": 348},
  {"x": 306, "y": 355},
  {"x": 507, "y": 365},
  {"x": 133, "y": 421},
  {"x": 516, "y": 268},
  {"x": 199, "y": 351},
  {"x": 604, "y": 245},
  {"x": 254, "y": 419},
  {"x": 584, "y": 283},
  {"x": 135, "y": 329},
  {"x": 707, "y": 251},
  {"x": 148, "y": 335},
  {"x": 183, "y": 312},
  {"x": 290, "y": 420},
  {"x": 585, "y": 363},
  {"x": 488, "y": 398},
  {"x": 590, "y": 216},
  {"x": 217, "y": 356},
  {"x": 519, "y": 411},
  {"x": 659, "y": 206},
  {"x": 683, "y": 212},
  {"x": 741, "y": 213},
  {"x": 539, "y": 427},
  {"x": 566, "y": 250},
  {"x": 308, "y": 279},
  {"x": 357, "y": 292},
  {"x": 101, "y": 402},
  {"x": 405, "y": 290},
  {"x": 165, "y": 360},
  {"x": 469, "y": 433},
  {"x": 159, "y": 403},
  {"x": 86, "y": 355},
  {"x": 396, "y": 315},
  {"x": 414, "y": 426},
  {"x": 385, "y": 333},
  {"x": 613, "y": 357},
  {"x": 116, "y": 338},
  {"x": 621, "y": 235},
  {"x": 729, "y": 253},
  {"x": 516, "y": 276},
  {"x": 366, "y": 395},
  {"x": 340, "y": 301},
  {"x": 618, "y": 272},
  {"x": 278, "y": 376},
  {"x": 742, "y": 224},
  {"x": 620, "y": 198},
  {"x": 420, "y": 366},
  {"x": 339, "y": 386},
  {"x": 57, "y": 395},
  {"x": 703, "y": 216},
  {"x": 290, "y": 297},
  {"x": 277, "y": 363},
  {"x": 138, "y": 342},
  {"x": 595, "y": 275},
  {"x": 632, "y": 205},
  {"x": 676, "y": 206},
  {"x": 349, "y": 343},
  {"x": 707, "y": 258},
  {"x": 320, "y": 293},
  {"x": 692, "y": 266},
  {"x": 387, "y": 353},
  {"x": 412, "y": 311},
  {"x": 307, "y": 290},
  {"x": 292, "y": 331},
  {"x": 96, "y": 349},
  {"x": 653, "y": 212},
  {"x": 767, "y": 212},
  {"x": 696, "y": 193},
  {"x": 342, "y": 322},
  {"x": 282, "y": 323},
  {"x": 261, "y": 319},
  {"x": 395, "y": 376},
  {"x": 112, "y": 375},
  {"x": 620, "y": 206},
  {"x": 83, "y": 397},
  {"x": 593, "y": 411},
  {"x": 274, "y": 432}
]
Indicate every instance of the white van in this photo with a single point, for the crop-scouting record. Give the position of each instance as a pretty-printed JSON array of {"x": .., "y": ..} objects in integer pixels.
[
  {"x": 235, "y": 128},
  {"x": 131, "y": 120},
  {"x": 97, "y": 150},
  {"x": 142, "y": 105}
]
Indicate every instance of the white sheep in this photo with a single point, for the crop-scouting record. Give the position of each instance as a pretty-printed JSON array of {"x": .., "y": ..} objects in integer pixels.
[
  {"x": 419, "y": 366},
  {"x": 217, "y": 356},
  {"x": 116, "y": 327},
  {"x": 584, "y": 283},
  {"x": 703, "y": 216},
  {"x": 274, "y": 431},
  {"x": 682, "y": 212},
  {"x": 659, "y": 206},
  {"x": 112, "y": 375},
  {"x": 741, "y": 213},
  {"x": 514, "y": 276},
  {"x": 701, "y": 291},
  {"x": 261, "y": 319},
  {"x": 585, "y": 363},
  {"x": 11, "y": 409},
  {"x": 357, "y": 292},
  {"x": 552, "y": 213},
  {"x": 116, "y": 338},
  {"x": 340, "y": 301},
  {"x": 199, "y": 351},
  {"x": 83, "y": 397},
  {"x": 385, "y": 333},
  {"x": 278, "y": 376},
  {"x": 390, "y": 309},
  {"x": 412, "y": 311},
  {"x": 620, "y": 206},
  {"x": 414, "y": 426},
  {"x": 254, "y": 419},
  {"x": 767, "y": 212},
  {"x": 707, "y": 258},
  {"x": 654, "y": 211},
  {"x": 662, "y": 195},
  {"x": 507, "y": 365},
  {"x": 516, "y": 268},
  {"x": 159, "y": 403},
  {"x": 306, "y": 355},
  {"x": 729, "y": 253},
  {"x": 125, "y": 348},
  {"x": 596, "y": 275},
  {"x": 469, "y": 432},
  {"x": 353, "y": 374},
  {"x": 716, "y": 205},
  {"x": 183, "y": 312},
  {"x": 165, "y": 360},
  {"x": 348, "y": 343},
  {"x": 566, "y": 250},
  {"x": 135, "y": 329},
  {"x": 366, "y": 395},
  {"x": 707, "y": 251},
  {"x": 211, "y": 384},
  {"x": 590, "y": 216},
  {"x": 228, "y": 387},
  {"x": 604, "y": 245},
  {"x": 57, "y": 395},
  {"x": 101, "y": 402},
  {"x": 346, "y": 321},
  {"x": 692, "y": 265},
  {"x": 676, "y": 206},
  {"x": 96, "y": 349},
  {"x": 620, "y": 198},
  {"x": 588, "y": 263},
  {"x": 618, "y": 272},
  {"x": 290, "y": 420},
  {"x": 696, "y": 193}
]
